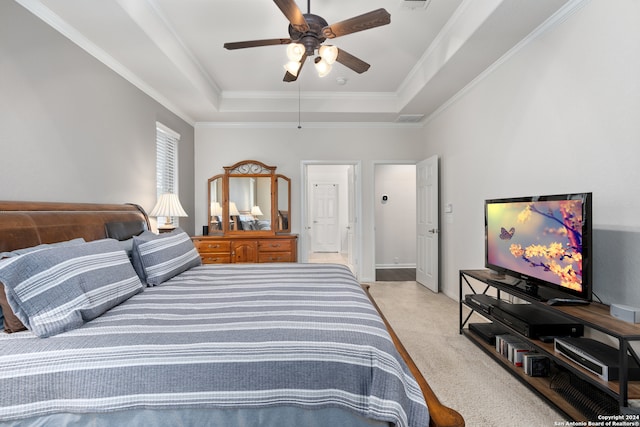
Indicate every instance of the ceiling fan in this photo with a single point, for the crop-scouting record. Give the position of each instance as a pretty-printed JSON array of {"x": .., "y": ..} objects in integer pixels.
[{"x": 307, "y": 32}]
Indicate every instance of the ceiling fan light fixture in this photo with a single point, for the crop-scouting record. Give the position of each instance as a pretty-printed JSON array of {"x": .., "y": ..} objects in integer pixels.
[
  {"x": 307, "y": 32},
  {"x": 295, "y": 52},
  {"x": 329, "y": 53},
  {"x": 322, "y": 67},
  {"x": 293, "y": 67}
]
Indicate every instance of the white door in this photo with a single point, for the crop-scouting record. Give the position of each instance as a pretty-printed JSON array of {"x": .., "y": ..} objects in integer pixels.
[
  {"x": 427, "y": 231},
  {"x": 351, "y": 227},
  {"x": 324, "y": 229}
]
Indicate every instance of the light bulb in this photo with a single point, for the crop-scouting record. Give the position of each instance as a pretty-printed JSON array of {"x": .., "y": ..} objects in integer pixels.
[
  {"x": 293, "y": 67},
  {"x": 295, "y": 52},
  {"x": 322, "y": 67},
  {"x": 328, "y": 53}
]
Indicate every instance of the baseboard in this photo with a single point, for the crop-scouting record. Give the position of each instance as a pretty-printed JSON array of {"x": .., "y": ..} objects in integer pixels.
[{"x": 390, "y": 266}]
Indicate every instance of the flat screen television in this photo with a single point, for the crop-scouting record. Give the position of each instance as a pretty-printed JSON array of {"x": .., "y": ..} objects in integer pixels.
[{"x": 543, "y": 243}]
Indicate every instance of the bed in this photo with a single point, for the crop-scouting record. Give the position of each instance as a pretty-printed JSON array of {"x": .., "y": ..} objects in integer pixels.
[{"x": 155, "y": 338}]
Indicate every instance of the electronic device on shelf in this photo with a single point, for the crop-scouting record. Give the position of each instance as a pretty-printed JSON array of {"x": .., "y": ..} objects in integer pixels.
[
  {"x": 625, "y": 313},
  {"x": 488, "y": 331},
  {"x": 542, "y": 245},
  {"x": 597, "y": 357},
  {"x": 528, "y": 319},
  {"x": 481, "y": 302},
  {"x": 533, "y": 321}
]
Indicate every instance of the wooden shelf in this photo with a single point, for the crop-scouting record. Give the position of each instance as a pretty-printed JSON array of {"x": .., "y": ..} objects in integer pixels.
[
  {"x": 595, "y": 316},
  {"x": 542, "y": 385}
]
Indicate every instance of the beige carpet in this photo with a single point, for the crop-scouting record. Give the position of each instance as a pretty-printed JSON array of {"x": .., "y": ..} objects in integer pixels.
[{"x": 461, "y": 374}]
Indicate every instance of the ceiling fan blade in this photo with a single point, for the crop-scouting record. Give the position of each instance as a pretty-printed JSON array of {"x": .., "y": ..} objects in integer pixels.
[
  {"x": 366, "y": 21},
  {"x": 288, "y": 77},
  {"x": 350, "y": 61},
  {"x": 291, "y": 10},
  {"x": 255, "y": 43}
]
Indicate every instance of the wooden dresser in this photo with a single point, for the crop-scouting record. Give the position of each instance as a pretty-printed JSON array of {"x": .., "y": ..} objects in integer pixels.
[{"x": 237, "y": 249}]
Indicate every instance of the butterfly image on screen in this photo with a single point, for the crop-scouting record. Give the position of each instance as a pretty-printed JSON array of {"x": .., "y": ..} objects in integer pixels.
[{"x": 506, "y": 235}]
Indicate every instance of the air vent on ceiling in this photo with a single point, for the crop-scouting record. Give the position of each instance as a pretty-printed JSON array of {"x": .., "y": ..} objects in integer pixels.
[
  {"x": 409, "y": 118},
  {"x": 414, "y": 4}
]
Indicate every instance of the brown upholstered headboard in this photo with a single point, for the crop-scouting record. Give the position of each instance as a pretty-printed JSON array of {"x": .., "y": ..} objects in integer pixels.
[{"x": 26, "y": 224}]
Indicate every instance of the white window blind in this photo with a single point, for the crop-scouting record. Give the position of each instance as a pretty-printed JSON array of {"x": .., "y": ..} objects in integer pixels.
[{"x": 166, "y": 163}]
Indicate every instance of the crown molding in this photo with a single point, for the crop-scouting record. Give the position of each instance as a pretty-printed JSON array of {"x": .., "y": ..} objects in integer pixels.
[
  {"x": 307, "y": 125},
  {"x": 57, "y": 23},
  {"x": 149, "y": 18},
  {"x": 559, "y": 17}
]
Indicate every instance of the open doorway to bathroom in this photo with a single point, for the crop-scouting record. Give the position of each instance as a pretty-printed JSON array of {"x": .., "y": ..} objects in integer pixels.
[
  {"x": 329, "y": 214},
  {"x": 395, "y": 221}
]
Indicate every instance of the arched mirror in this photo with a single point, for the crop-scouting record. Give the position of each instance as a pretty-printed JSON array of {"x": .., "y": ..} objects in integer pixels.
[{"x": 249, "y": 198}]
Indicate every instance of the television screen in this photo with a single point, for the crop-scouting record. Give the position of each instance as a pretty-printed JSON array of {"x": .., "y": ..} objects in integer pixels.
[{"x": 543, "y": 240}]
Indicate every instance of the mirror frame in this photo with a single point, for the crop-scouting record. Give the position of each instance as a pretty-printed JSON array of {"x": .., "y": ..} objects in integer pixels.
[{"x": 249, "y": 169}]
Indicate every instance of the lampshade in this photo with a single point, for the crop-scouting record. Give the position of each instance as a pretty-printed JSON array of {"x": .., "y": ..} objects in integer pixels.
[
  {"x": 168, "y": 206},
  {"x": 255, "y": 211},
  {"x": 329, "y": 53},
  {"x": 322, "y": 67},
  {"x": 293, "y": 67},
  {"x": 295, "y": 52},
  {"x": 233, "y": 209},
  {"x": 216, "y": 209}
]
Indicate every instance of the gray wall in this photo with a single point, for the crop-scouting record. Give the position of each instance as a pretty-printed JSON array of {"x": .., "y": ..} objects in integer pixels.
[
  {"x": 73, "y": 130},
  {"x": 560, "y": 115},
  {"x": 395, "y": 219},
  {"x": 287, "y": 147}
]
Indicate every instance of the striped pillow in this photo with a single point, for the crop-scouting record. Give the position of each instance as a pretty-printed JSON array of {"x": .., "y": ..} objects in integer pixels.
[
  {"x": 58, "y": 289},
  {"x": 157, "y": 258}
]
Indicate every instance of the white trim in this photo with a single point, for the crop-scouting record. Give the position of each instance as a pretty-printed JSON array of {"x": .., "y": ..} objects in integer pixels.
[
  {"x": 168, "y": 131},
  {"x": 393, "y": 266},
  {"x": 373, "y": 210},
  {"x": 557, "y": 18},
  {"x": 305, "y": 125},
  {"x": 57, "y": 23},
  {"x": 357, "y": 166},
  {"x": 393, "y": 101}
]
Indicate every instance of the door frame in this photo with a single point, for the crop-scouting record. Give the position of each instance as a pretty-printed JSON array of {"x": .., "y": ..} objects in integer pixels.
[
  {"x": 373, "y": 197},
  {"x": 304, "y": 206}
]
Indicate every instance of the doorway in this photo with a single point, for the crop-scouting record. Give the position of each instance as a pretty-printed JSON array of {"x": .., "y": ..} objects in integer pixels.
[
  {"x": 395, "y": 221},
  {"x": 329, "y": 213}
]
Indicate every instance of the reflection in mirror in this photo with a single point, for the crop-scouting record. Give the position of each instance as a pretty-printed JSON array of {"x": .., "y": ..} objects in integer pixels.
[
  {"x": 283, "y": 202},
  {"x": 215, "y": 204},
  {"x": 250, "y": 198}
]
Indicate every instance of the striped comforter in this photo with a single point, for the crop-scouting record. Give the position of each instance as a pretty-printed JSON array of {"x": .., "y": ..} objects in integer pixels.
[{"x": 232, "y": 336}]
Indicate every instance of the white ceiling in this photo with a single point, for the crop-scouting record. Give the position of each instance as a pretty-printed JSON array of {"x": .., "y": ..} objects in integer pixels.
[{"x": 173, "y": 50}]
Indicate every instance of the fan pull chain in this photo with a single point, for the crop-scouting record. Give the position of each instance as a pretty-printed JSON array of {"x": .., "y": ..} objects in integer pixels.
[{"x": 299, "y": 125}]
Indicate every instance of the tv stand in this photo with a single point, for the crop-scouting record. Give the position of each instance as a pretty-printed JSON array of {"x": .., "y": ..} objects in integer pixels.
[
  {"x": 566, "y": 301},
  {"x": 593, "y": 316},
  {"x": 525, "y": 289}
]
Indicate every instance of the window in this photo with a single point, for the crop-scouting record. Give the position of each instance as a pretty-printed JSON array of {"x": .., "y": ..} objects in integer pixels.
[{"x": 166, "y": 163}]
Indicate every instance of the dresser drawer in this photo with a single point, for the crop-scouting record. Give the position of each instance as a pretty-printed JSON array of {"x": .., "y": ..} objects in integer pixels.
[
  {"x": 275, "y": 257},
  {"x": 205, "y": 246},
  {"x": 274, "y": 245},
  {"x": 221, "y": 258}
]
